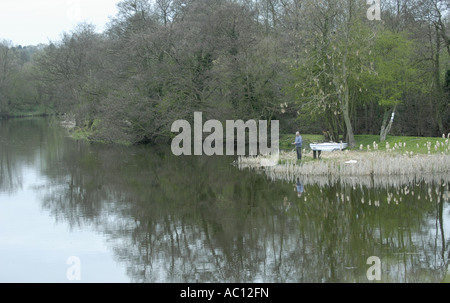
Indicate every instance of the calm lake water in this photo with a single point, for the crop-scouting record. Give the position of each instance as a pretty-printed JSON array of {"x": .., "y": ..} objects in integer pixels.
[{"x": 140, "y": 214}]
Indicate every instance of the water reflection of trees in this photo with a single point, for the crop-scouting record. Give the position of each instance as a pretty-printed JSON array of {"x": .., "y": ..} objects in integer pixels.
[
  {"x": 398, "y": 225},
  {"x": 199, "y": 219},
  {"x": 21, "y": 141},
  {"x": 10, "y": 177},
  {"x": 173, "y": 219}
]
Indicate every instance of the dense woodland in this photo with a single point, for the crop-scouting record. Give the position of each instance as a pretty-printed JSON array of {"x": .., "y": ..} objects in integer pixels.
[{"x": 317, "y": 66}]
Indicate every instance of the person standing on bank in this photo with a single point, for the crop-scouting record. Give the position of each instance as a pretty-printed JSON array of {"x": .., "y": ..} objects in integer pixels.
[{"x": 298, "y": 145}]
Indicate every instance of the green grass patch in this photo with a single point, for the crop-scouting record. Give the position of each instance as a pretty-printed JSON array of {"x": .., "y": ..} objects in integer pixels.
[
  {"x": 394, "y": 144},
  {"x": 90, "y": 134},
  {"x": 81, "y": 134},
  {"x": 402, "y": 144}
]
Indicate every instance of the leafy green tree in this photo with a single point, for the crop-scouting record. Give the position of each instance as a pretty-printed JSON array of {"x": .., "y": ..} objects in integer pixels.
[
  {"x": 334, "y": 58},
  {"x": 395, "y": 75}
]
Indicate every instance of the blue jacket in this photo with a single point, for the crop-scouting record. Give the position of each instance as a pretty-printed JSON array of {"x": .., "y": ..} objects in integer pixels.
[{"x": 298, "y": 141}]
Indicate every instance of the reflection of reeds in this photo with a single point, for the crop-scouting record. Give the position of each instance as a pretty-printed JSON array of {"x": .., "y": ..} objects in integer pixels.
[{"x": 364, "y": 165}]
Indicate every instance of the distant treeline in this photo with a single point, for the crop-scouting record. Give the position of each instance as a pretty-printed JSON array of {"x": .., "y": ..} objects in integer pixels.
[{"x": 318, "y": 66}]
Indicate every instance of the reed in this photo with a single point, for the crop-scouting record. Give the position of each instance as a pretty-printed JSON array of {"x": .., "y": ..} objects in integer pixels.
[{"x": 371, "y": 165}]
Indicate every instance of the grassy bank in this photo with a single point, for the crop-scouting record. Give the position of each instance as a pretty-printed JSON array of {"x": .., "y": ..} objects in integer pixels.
[
  {"x": 401, "y": 144},
  {"x": 410, "y": 158},
  {"x": 393, "y": 144},
  {"x": 89, "y": 134}
]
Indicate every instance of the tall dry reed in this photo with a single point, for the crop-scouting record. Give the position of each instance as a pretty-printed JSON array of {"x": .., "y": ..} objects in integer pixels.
[{"x": 355, "y": 167}]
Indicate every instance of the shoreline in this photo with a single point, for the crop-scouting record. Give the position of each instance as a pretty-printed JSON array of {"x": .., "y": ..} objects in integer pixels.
[{"x": 373, "y": 168}]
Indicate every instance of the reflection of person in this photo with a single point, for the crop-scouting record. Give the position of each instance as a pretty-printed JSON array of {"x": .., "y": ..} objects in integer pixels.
[
  {"x": 298, "y": 145},
  {"x": 300, "y": 188},
  {"x": 286, "y": 204}
]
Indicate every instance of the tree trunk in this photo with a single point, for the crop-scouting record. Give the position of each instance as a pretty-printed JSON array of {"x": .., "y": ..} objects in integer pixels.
[
  {"x": 344, "y": 88},
  {"x": 348, "y": 123},
  {"x": 386, "y": 127},
  {"x": 439, "y": 100},
  {"x": 345, "y": 103}
]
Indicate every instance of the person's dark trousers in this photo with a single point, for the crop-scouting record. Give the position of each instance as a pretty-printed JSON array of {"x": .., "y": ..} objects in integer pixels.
[{"x": 299, "y": 153}]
